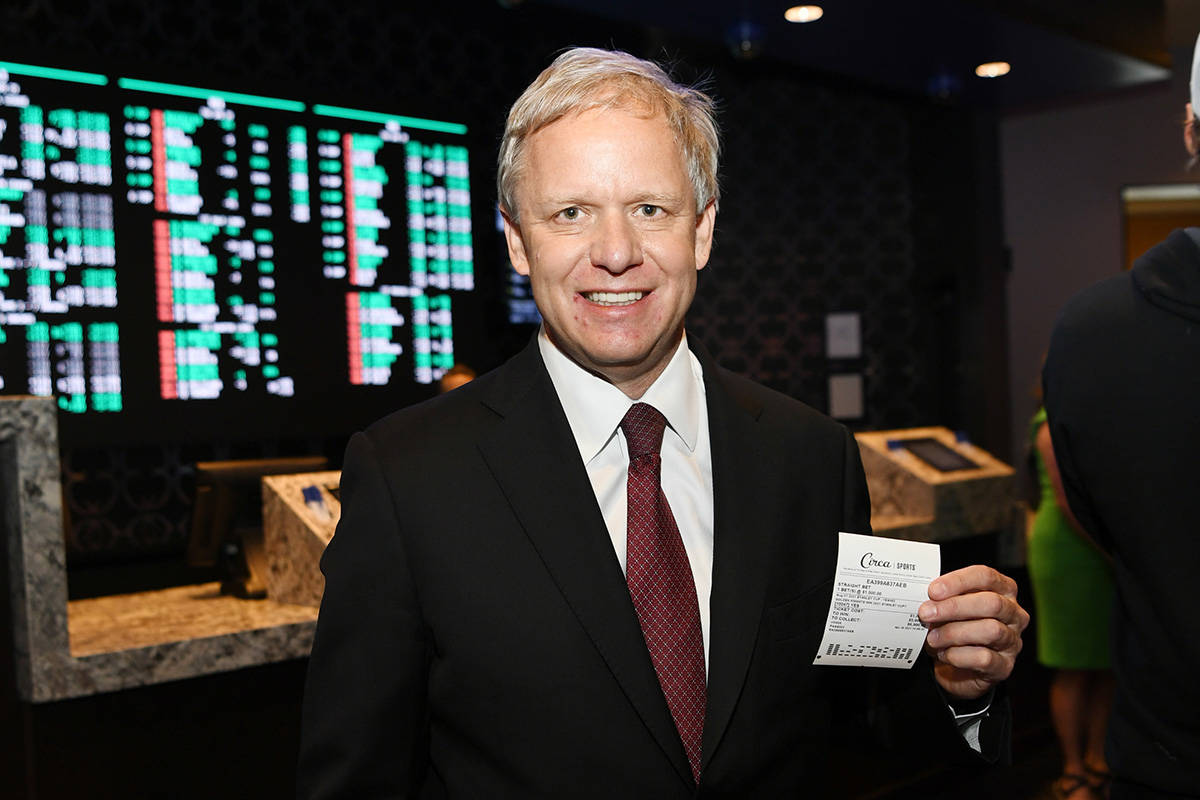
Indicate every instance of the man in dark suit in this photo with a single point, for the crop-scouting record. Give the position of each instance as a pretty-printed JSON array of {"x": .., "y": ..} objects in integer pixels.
[{"x": 602, "y": 569}]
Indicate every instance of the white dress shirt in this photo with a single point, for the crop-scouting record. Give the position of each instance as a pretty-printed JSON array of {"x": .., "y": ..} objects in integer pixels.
[{"x": 595, "y": 408}]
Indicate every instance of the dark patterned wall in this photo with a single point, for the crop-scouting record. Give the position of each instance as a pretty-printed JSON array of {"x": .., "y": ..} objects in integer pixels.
[
  {"x": 820, "y": 209},
  {"x": 815, "y": 219}
]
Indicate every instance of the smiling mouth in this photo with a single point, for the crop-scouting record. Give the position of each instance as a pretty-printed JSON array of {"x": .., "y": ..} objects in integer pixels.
[{"x": 613, "y": 298}]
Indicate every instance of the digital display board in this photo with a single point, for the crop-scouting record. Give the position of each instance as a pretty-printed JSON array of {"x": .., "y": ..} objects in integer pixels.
[{"x": 179, "y": 261}]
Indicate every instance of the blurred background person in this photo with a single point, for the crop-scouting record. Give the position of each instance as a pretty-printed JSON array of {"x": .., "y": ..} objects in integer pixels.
[
  {"x": 1122, "y": 393},
  {"x": 455, "y": 377},
  {"x": 1072, "y": 591}
]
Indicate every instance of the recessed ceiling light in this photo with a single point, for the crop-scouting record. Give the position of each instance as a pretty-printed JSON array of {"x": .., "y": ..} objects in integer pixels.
[
  {"x": 803, "y": 13},
  {"x": 993, "y": 69}
]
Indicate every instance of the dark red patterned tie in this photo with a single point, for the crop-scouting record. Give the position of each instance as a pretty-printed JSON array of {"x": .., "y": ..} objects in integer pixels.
[{"x": 660, "y": 582}]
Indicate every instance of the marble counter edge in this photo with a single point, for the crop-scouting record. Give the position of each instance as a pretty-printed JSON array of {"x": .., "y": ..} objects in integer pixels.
[
  {"x": 78, "y": 676},
  {"x": 29, "y": 466}
]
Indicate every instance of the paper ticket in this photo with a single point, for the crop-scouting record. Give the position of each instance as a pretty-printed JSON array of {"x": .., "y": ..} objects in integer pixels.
[{"x": 879, "y": 585}]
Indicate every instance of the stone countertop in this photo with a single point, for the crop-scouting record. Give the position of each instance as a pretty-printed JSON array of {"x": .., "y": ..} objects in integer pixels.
[
  {"x": 169, "y": 616},
  {"x": 123, "y": 641},
  {"x": 84, "y": 647}
]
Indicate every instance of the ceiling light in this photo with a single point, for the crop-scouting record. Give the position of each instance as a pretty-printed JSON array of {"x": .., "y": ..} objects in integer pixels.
[
  {"x": 993, "y": 69},
  {"x": 803, "y": 13}
]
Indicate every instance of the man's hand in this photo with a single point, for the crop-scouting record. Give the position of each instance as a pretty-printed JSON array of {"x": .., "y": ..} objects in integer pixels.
[{"x": 975, "y": 626}]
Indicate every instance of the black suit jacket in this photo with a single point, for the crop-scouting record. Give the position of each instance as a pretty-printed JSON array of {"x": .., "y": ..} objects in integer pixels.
[{"x": 477, "y": 638}]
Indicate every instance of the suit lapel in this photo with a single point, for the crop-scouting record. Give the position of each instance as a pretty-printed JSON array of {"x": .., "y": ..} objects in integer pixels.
[
  {"x": 742, "y": 520},
  {"x": 534, "y": 459}
]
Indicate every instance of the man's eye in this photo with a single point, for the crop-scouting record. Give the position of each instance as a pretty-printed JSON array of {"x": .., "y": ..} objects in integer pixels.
[
  {"x": 647, "y": 210},
  {"x": 569, "y": 213}
]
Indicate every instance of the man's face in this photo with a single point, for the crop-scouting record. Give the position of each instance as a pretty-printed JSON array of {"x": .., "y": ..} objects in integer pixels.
[{"x": 611, "y": 241}]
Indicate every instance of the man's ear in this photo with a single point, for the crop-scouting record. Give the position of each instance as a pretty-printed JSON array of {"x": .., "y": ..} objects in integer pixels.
[
  {"x": 516, "y": 243},
  {"x": 704, "y": 233}
]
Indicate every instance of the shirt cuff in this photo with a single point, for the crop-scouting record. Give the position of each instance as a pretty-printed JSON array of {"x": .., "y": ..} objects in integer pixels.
[{"x": 969, "y": 716}]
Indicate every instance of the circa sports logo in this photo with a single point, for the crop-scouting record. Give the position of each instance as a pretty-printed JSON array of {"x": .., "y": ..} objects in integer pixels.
[{"x": 869, "y": 561}]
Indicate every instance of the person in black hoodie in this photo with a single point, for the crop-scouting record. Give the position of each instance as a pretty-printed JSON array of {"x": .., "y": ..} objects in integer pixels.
[{"x": 1122, "y": 393}]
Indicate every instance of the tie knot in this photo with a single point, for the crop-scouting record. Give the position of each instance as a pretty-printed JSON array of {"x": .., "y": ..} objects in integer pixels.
[{"x": 643, "y": 426}]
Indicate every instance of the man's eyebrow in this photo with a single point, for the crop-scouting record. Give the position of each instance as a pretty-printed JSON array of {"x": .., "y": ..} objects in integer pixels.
[
  {"x": 558, "y": 201},
  {"x": 667, "y": 199},
  {"x": 661, "y": 198}
]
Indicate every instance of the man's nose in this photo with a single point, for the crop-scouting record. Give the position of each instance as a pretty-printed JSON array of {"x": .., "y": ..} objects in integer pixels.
[{"x": 616, "y": 246}]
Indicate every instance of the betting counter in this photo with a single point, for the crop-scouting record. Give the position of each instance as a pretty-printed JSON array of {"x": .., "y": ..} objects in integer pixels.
[{"x": 71, "y": 649}]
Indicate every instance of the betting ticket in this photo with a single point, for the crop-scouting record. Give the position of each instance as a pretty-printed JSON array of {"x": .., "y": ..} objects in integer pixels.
[{"x": 879, "y": 585}]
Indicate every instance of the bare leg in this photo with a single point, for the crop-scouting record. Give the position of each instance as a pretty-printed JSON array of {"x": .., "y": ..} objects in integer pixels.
[
  {"x": 1099, "y": 695},
  {"x": 1069, "y": 713}
]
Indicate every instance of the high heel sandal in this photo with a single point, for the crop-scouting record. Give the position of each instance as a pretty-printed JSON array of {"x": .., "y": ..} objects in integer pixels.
[
  {"x": 1099, "y": 779},
  {"x": 1069, "y": 783}
]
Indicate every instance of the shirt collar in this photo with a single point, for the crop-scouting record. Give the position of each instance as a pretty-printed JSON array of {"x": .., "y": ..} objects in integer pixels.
[{"x": 595, "y": 408}]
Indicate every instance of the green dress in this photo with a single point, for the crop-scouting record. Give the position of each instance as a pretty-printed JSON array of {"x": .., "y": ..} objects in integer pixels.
[{"x": 1072, "y": 584}]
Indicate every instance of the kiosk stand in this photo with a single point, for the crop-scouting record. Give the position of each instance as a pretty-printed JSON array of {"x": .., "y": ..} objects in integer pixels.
[{"x": 929, "y": 485}]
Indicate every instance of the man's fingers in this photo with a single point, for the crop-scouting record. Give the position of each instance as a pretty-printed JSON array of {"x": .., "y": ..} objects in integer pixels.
[
  {"x": 975, "y": 625},
  {"x": 975, "y": 578},
  {"x": 990, "y": 633},
  {"x": 984, "y": 663},
  {"x": 977, "y": 605}
]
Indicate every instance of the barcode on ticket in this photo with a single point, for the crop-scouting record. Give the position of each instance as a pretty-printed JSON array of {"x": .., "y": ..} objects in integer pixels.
[{"x": 868, "y": 651}]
